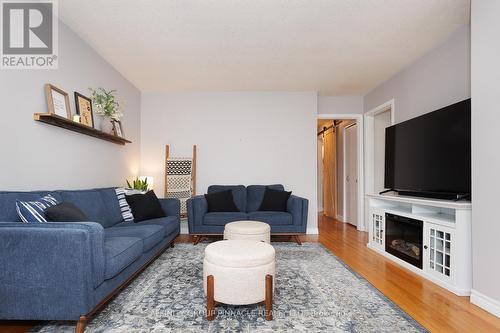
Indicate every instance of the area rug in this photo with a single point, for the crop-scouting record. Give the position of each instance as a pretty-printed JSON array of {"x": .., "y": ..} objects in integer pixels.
[{"x": 315, "y": 292}]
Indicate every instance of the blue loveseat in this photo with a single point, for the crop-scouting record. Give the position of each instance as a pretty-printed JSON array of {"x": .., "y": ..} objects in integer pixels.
[
  {"x": 65, "y": 271},
  {"x": 247, "y": 200}
]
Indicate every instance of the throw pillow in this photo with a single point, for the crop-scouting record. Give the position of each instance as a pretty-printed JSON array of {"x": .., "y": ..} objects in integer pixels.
[
  {"x": 124, "y": 206},
  {"x": 34, "y": 211},
  {"x": 221, "y": 202},
  {"x": 65, "y": 212},
  {"x": 275, "y": 200},
  {"x": 145, "y": 206}
]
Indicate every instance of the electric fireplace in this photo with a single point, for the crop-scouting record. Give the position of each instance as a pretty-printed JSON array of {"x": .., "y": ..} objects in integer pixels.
[{"x": 403, "y": 238}]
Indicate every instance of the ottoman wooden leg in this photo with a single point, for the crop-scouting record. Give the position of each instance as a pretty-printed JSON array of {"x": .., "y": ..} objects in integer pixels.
[
  {"x": 269, "y": 297},
  {"x": 210, "y": 298}
]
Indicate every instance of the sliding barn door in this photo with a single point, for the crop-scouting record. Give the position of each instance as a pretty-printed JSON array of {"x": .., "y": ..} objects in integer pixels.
[{"x": 329, "y": 173}]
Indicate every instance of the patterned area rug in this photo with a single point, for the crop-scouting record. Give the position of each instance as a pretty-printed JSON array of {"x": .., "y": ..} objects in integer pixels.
[{"x": 315, "y": 292}]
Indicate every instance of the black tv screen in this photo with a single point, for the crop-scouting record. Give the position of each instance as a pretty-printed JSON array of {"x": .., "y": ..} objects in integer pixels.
[{"x": 431, "y": 155}]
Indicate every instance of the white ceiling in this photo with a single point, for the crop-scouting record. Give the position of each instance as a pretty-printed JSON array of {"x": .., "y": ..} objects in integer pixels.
[{"x": 336, "y": 47}]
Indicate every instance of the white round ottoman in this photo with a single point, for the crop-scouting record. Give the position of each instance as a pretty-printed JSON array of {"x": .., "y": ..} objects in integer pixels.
[
  {"x": 239, "y": 272},
  {"x": 250, "y": 230}
]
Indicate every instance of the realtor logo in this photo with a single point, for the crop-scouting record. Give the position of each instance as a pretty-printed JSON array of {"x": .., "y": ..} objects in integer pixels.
[{"x": 29, "y": 34}]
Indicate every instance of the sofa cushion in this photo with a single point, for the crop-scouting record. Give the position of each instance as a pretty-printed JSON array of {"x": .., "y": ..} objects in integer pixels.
[
  {"x": 8, "y": 203},
  {"x": 271, "y": 218},
  {"x": 239, "y": 194},
  {"x": 100, "y": 205},
  {"x": 149, "y": 234},
  {"x": 223, "y": 218},
  {"x": 169, "y": 224},
  {"x": 255, "y": 194},
  {"x": 119, "y": 252}
]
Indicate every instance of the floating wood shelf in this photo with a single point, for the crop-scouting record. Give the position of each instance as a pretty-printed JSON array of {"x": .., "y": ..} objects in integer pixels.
[{"x": 68, "y": 124}]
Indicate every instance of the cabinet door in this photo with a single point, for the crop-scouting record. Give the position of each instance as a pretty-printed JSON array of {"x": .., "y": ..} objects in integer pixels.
[
  {"x": 377, "y": 228},
  {"x": 438, "y": 251}
]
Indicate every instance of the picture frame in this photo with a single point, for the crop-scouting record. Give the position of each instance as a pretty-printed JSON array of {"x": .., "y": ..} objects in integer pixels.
[
  {"x": 57, "y": 101},
  {"x": 118, "y": 128},
  {"x": 84, "y": 109}
]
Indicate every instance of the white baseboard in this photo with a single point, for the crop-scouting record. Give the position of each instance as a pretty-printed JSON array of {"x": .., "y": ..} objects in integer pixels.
[
  {"x": 485, "y": 302},
  {"x": 312, "y": 231},
  {"x": 340, "y": 218}
]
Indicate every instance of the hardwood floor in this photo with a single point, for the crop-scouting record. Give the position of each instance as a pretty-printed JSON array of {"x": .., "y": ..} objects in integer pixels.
[
  {"x": 432, "y": 306},
  {"x": 435, "y": 308}
]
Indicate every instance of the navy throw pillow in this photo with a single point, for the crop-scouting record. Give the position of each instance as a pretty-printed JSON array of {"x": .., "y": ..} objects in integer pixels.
[
  {"x": 65, "y": 212},
  {"x": 275, "y": 200},
  {"x": 221, "y": 202},
  {"x": 145, "y": 206}
]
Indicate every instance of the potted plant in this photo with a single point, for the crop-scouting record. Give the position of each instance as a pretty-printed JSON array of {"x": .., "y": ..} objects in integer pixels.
[
  {"x": 105, "y": 105},
  {"x": 138, "y": 184}
]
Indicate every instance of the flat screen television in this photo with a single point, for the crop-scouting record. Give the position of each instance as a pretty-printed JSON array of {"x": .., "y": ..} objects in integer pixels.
[{"x": 430, "y": 155}]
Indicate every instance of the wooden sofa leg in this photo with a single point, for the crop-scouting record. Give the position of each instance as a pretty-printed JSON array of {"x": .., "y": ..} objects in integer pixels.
[
  {"x": 210, "y": 298},
  {"x": 197, "y": 239},
  {"x": 80, "y": 325},
  {"x": 297, "y": 239},
  {"x": 269, "y": 297}
]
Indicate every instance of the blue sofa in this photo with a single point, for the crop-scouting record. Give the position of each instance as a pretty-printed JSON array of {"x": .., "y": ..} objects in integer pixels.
[
  {"x": 66, "y": 271},
  {"x": 247, "y": 199}
]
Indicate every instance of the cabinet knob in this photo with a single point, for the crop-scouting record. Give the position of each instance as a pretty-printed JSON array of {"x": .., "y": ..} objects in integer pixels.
[{"x": 425, "y": 247}]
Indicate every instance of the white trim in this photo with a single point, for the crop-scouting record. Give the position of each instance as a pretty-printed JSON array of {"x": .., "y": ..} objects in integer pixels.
[
  {"x": 369, "y": 142},
  {"x": 344, "y": 168},
  {"x": 389, "y": 105},
  {"x": 312, "y": 231},
  {"x": 485, "y": 302},
  {"x": 362, "y": 224}
]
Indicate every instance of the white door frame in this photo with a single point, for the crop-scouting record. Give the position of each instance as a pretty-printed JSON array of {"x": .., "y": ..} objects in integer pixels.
[
  {"x": 344, "y": 167},
  {"x": 369, "y": 118},
  {"x": 361, "y": 223}
]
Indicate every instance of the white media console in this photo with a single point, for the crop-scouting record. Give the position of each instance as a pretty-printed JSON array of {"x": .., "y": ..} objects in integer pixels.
[{"x": 445, "y": 254}]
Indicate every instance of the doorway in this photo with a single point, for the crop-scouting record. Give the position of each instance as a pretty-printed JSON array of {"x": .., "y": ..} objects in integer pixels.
[
  {"x": 338, "y": 169},
  {"x": 376, "y": 121}
]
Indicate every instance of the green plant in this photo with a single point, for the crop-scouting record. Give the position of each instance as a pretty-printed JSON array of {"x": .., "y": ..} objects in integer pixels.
[
  {"x": 138, "y": 184},
  {"x": 105, "y": 103}
]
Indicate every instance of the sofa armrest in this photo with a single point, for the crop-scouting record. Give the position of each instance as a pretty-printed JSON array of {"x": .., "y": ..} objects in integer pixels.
[
  {"x": 298, "y": 207},
  {"x": 50, "y": 270},
  {"x": 197, "y": 208},
  {"x": 171, "y": 207}
]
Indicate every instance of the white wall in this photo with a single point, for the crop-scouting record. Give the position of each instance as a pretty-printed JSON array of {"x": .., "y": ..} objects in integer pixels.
[
  {"x": 39, "y": 156},
  {"x": 242, "y": 138},
  {"x": 340, "y": 104},
  {"x": 440, "y": 78},
  {"x": 485, "y": 70}
]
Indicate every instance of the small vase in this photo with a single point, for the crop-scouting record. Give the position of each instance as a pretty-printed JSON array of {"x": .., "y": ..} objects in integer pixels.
[{"x": 107, "y": 126}]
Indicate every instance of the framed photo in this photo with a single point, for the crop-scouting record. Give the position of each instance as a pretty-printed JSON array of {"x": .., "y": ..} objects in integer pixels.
[
  {"x": 84, "y": 109},
  {"x": 57, "y": 101},
  {"x": 118, "y": 129}
]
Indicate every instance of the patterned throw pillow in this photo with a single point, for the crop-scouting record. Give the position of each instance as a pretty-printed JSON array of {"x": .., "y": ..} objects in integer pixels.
[
  {"x": 124, "y": 206},
  {"x": 34, "y": 211}
]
